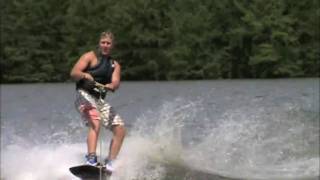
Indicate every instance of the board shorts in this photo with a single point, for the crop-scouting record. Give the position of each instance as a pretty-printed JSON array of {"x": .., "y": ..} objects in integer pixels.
[{"x": 93, "y": 109}]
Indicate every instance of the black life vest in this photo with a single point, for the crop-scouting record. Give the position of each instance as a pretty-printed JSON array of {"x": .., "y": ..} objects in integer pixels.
[{"x": 101, "y": 73}]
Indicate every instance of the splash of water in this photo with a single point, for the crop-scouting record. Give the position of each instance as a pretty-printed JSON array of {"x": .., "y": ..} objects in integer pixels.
[
  {"x": 249, "y": 142},
  {"x": 261, "y": 143},
  {"x": 39, "y": 162},
  {"x": 154, "y": 142}
]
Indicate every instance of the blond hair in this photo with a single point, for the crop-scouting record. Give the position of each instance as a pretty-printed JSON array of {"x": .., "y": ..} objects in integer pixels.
[{"x": 107, "y": 34}]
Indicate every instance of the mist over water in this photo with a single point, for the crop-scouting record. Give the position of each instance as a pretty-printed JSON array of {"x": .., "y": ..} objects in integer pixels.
[{"x": 218, "y": 133}]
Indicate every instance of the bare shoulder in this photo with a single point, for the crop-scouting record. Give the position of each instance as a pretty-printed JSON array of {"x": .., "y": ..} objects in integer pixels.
[
  {"x": 116, "y": 63},
  {"x": 89, "y": 55},
  {"x": 87, "y": 58}
]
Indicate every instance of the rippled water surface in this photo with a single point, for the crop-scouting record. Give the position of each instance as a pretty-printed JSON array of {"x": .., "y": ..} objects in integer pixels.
[{"x": 228, "y": 129}]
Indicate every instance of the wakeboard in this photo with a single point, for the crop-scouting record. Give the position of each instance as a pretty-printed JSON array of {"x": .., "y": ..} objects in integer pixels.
[{"x": 87, "y": 172}]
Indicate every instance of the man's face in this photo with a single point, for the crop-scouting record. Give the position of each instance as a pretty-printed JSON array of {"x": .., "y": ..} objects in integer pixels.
[{"x": 105, "y": 45}]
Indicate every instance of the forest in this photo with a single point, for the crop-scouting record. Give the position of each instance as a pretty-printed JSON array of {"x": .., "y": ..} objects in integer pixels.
[{"x": 162, "y": 39}]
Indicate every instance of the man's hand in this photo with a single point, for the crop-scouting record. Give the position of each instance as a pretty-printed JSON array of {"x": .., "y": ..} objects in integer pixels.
[
  {"x": 87, "y": 76},
  {"x": 106, "y": 87},
  {"x": 110, "y": 87}
]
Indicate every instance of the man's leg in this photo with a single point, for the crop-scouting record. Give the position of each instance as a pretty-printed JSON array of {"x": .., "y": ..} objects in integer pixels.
[
  {"x": 119, "y": 132},
  {"x": 93, "y": 131}
]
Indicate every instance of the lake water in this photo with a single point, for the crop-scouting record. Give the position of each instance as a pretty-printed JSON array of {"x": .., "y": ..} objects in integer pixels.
[{"x": 188, "y": 130}]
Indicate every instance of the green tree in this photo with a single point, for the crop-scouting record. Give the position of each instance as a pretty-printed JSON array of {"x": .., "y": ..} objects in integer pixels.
[
  {"x": 32, "y": 38},
  {"x": 162, "y": 39}
]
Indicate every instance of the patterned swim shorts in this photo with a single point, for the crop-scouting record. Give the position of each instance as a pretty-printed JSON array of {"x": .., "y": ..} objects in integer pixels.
[{"x": 94, "y": 109}]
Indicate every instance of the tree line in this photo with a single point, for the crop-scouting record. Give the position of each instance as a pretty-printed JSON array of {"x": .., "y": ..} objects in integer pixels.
[{"x": 162, "y": 39}]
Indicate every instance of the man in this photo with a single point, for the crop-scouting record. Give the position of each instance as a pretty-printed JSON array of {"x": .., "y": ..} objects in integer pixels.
[{"x": 98, "y": 66}]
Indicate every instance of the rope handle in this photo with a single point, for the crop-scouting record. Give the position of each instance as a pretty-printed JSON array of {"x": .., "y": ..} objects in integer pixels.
[
  {"x": 99, "y": 85},
  {"x": 102, "y": 89}
]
